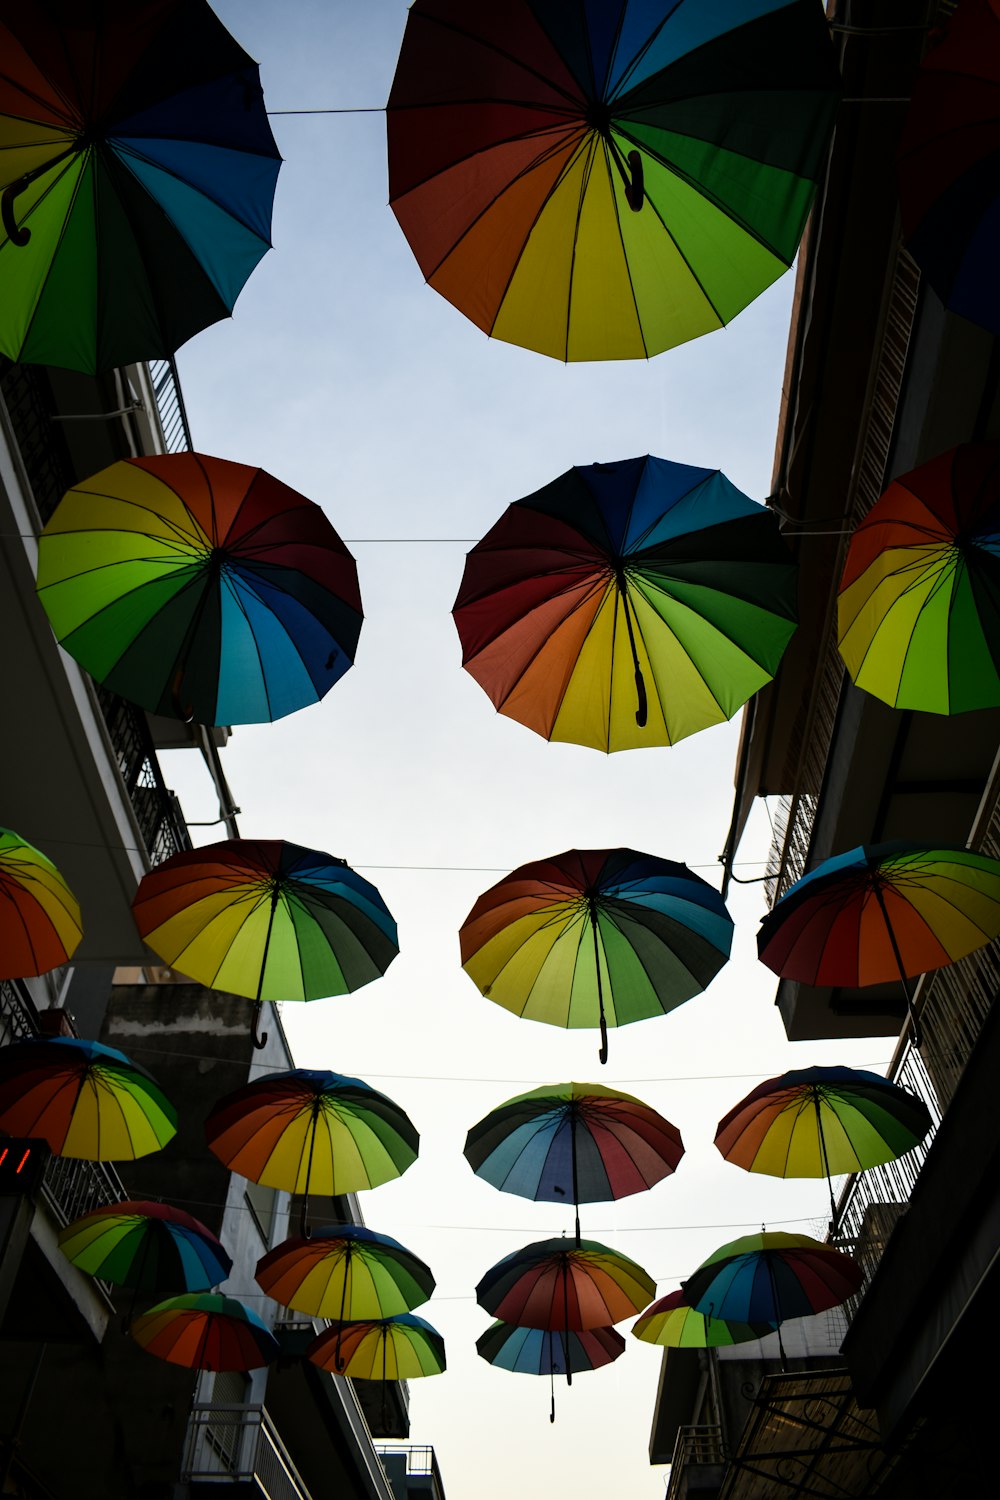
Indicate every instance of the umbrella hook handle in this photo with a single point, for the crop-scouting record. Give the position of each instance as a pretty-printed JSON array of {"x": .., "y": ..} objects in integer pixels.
[
  {"x": 15, "y": 233},
  {"x": 259, "y": 1041}
]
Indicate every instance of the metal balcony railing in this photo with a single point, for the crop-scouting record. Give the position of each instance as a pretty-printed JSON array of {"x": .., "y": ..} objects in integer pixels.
[
  {"x": 693, "y": 1445},
  {"x": 170, "y": 405},
  {"x": 27, "y": 395},
  {"x": 157, "y": 810},
  {"x": 240, "y": 1445}
]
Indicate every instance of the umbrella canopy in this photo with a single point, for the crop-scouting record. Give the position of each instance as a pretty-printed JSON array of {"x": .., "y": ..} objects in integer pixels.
[
  {"x": 573, "y": 1143},
  {"x": 40, "y": 924},
  {"x": 949, "y": 190},
  {"x": 821, "y": 1122},
  {"x": 266, "y": 919},
  {"x": 150, "y": 1247},
  {"x": 558, "y": 1284},
  {"x": 200, "y": 589},
  {"x": 919, "y": 602},
  {"x": 770, "y": 1277},
  {"x": 345, "y": 1272},
  {"x": 401, "y": 1348},
  {"x": 137, "y": 171},
  {"x": 205, "y": 1331},
  {"x": 604, "y": 182},
  {"x": 672, "y": 1322},
  {"x": 86, "y": 1100},
  {"x": 598, "y": 937},
  {"x": 311, "y": 1131},
  {"x": 627, "y": 604},
  {"x": 534, "y": 1351}
]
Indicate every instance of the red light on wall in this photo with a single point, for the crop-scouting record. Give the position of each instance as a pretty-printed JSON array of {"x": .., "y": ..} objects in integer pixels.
[{"x": 22, "y": 1163}]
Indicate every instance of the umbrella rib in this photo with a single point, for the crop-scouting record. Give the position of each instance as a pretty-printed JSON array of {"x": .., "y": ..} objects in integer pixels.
[{"x": 43, "y": 286}]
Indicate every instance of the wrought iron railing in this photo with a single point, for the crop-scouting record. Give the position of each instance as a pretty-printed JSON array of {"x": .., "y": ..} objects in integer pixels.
[
  {"x": 693, "y": 1445},
  {"x": 420, "y": 1458},
  {"x": 240, "y": 1444},
  {"x": 161, "y": 822},
  {"x": 170, "y": 405},
  {"x": 41, "y": 443}
]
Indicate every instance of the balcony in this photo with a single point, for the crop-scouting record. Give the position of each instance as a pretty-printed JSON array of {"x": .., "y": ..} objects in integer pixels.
[
  {"x": 698, "y": 1465},
  {"x": 239, "y": 1445}
]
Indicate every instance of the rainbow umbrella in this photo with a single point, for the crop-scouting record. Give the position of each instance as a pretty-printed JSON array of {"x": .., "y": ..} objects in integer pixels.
[
  {"x": 627, "y": 604},
  {"x": 671, "y": 1321},
  {"x": 596, "y": 937},
  {"x": 822, "y": 1122},
  {"x": 559, "y": 1285},
  {"x": 200, "y": 589},
  {"x": 883, "y": 912},
  {"x": 535, "y": 1351},
  {"x": 137, "y": 170},
  {"x": 88, "y": 1101},
  {"x": 949, "y": 188},
  {"x": 266, "y": 919},
  {"x": 345, "y": 1272},
  {"x": 205, "y": 1331},
  {"x": 311, "y": 1131},
  {"x": 40, "y": 925},
  {"x": 604, "y": 182},
  {"x": 573, "y": 1143},
  {"x": 150, "y": 1247},
  {"x": 401, "y": 1348},
  {"x": 919, "y": 601}
]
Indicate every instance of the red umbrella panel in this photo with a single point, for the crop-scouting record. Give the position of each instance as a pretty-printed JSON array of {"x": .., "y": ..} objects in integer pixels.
[
  {"x": 205, "y": 1331},
  {"x": 558, "y": 1284}
]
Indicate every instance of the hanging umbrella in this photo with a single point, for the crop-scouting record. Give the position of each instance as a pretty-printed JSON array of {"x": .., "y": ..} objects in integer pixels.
[
  {"x": 883, "y": 912},
  {"x": 627, "y": 604},
  {"x": 205, "y": 1331},
  {"x": 597, "y": 937},
  {"x": 40, "y": 923},
  {"x": 266, "y": 919},
  {"x": 200, "y": 589},
  {"x": 604, "y": 182},
  {"x": 345, "y": 1272},
  {"x": 560, "y": 1285},
  {"x": 137, "y": 171},
  {"x": 672, "y": 1322},
  {"x": 86, "y": 1100},
  {"x": 401, "y": 1348},
  {"x": 150, "y": 1247},
  {"x": 534, "y": 1351},
  {"x": 919, "y": 602},
  {"x": 311, "y": 1131},
  {"x": 822, "y": 1122},
  {"x": 949, "y": 189},
  {"x": 573, "y": 1143}
]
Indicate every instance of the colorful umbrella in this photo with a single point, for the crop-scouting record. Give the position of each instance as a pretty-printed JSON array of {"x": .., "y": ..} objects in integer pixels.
[
  {"x": 534, "y": 1351},
  {"x": 604, "y": 182},
  {"x": 200, "y": 589},
  {"x": 949, "y": 189},
  {"x": 150, "y": 1247},
  {"x": 882, "y": 912},
  {"x": 205, "y": 1331},
  {"x": 597, "y": 937},
  {"x": 266, "y": 919},
  {"x": 919, "y": 603},
  {"x": 312, "y": 1131},
  {"x": 573, "y": 1143},
  {"x": 560, "y": 1285},
  {"x": 86, "y": 1100},
  {"x": 138, "y": 171},
  {"x": 627, "y": 604},
  {"x": 768, "y": 1278},
  {"x": 40, "y": 923},
  {"x": 822, "y": 1122},
  {"x": 401, "y": 1348},
  {"x": 345, "y": 1272},
  {"x": 672, "y": 1322}
]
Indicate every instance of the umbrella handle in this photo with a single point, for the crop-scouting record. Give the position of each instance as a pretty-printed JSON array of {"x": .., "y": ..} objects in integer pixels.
[
  {"x": 634, "y": 190},
  {"x": 261, "y": 1040},
  {"x": 641, "y": 712},
  {"x": 18, "y": 235}
]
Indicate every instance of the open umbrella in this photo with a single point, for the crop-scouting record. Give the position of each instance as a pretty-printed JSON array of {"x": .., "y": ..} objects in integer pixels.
[
  {"x": 573, "y": 1143},
  {"x": 822, "y": 1122},
  {"x": 400, "y": 1348},
  {"x": 604, "y": 182},
  {"x": 672, "y": 1322},
  {"x": 627, "y": 604},
  {"x": 949, "y": 187},
  {"x": 919, "y": 601},
  {"x": 883, "y": 912},
  {"x": 266, "y": 919},
  {"x": 200, "y": 589},
  {"x": 311, "y": 1131},
  {"x": 596, "y": 937},
  {"x": 137, "y": 170},
  {"x": 205, "y": 1331},
  {"x": 40, "y": 924},
  {"x": 151, "y": 1247},
  {"x": 560, "y": 1285},
  {"x": 345, "y": 1272},
  {"x": 88, "y": 1101},
  {"x": 534, "y": 1351}
]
